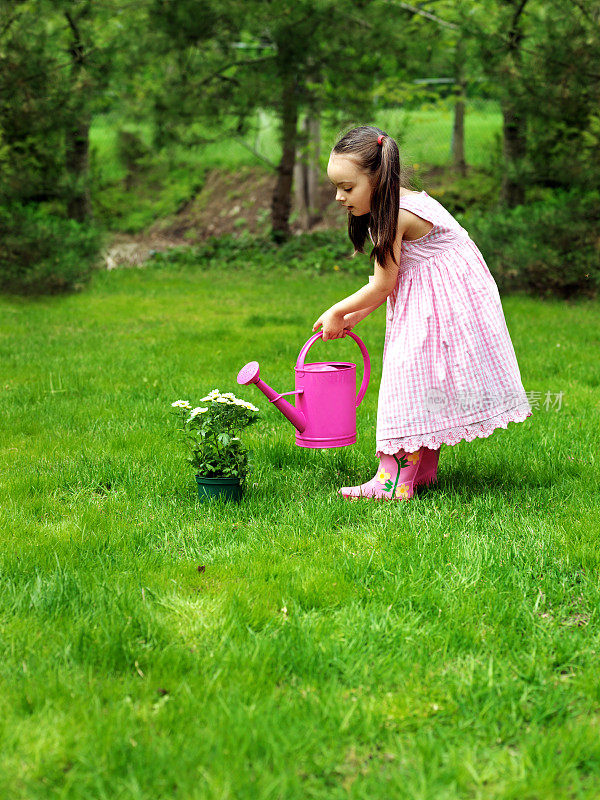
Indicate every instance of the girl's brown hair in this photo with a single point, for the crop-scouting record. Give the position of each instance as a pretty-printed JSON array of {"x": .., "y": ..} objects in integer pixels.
[{"x": 382, "y": 164}]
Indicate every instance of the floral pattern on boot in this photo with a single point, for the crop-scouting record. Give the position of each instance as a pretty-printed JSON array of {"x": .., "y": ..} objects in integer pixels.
[{"x": 393, "y": 480}]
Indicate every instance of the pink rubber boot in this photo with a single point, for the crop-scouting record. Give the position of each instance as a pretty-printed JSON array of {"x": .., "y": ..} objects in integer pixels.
[
  {"x": 427, "y": 472},
  {"x": 394, "y": 479}
]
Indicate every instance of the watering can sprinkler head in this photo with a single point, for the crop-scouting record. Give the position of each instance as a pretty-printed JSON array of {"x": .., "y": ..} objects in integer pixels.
[{"x": 249, "y": 373}]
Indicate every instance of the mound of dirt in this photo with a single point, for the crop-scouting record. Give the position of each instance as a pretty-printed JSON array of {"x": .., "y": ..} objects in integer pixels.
[{"x": 228, "y": 202}]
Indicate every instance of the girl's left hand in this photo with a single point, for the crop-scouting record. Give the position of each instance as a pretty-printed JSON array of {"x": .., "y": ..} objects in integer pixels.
[{"x": 332, "y": 323}]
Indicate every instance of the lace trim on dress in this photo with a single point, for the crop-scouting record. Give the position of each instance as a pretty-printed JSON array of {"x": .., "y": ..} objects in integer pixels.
[{"x": 452, "y": 436}]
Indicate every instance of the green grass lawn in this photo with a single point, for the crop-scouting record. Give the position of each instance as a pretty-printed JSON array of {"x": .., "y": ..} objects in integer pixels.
[{"x": 296, "y": 645}]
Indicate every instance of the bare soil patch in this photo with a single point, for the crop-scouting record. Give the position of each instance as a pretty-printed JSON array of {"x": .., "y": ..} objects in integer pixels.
[{"x": 227, "y": 203}]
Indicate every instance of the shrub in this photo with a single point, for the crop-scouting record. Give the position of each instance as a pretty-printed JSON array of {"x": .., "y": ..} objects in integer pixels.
[
  {"x": 41, "y": 253},
  {"x": 546, "y": 248},
  {"x": 477, "y": 189},
  {"x": 317, "y": 252}
]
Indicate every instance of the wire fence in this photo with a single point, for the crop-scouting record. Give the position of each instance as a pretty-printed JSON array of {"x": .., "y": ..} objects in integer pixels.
[
  {"x": 424, "y": 134},
  {"x": 426, "y": 137}
]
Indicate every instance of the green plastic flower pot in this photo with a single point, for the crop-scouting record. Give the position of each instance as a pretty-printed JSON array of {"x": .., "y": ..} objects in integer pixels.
[{"x": 227, "y": 488}]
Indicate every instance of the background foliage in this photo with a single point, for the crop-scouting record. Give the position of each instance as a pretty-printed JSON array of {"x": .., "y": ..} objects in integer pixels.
[{"x": 171, "y": 82}]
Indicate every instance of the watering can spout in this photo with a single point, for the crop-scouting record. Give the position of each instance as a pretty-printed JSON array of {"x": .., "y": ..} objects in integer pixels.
[{"x": 250, "y": 374}]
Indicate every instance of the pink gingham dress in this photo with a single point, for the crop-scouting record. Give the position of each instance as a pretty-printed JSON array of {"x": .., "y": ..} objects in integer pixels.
[{"x": 449, "y": 367}]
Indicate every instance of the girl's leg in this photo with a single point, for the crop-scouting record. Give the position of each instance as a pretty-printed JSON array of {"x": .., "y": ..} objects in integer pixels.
[
  {"x": 427, "y": 473},
  {"x": 394, "y": 478}
]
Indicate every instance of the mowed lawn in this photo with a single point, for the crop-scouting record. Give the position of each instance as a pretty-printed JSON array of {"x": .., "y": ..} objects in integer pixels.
[{"x": 295, "y": 646}]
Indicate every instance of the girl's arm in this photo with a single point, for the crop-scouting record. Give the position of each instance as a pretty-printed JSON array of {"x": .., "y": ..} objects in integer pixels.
[
  {"x": 352, "y": 319},
  {"x": 367, "y": 299},
  {"x": 371, "y": 296}
]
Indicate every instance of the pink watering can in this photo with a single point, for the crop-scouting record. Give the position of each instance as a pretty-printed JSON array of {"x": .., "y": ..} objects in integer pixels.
[{"x": 325, "y": 411}]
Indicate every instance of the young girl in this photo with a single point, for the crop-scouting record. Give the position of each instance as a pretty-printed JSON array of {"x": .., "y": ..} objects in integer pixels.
[{"x": 449, "y": 367}]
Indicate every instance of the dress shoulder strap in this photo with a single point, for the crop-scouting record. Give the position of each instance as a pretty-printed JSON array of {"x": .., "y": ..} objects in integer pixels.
[
  {"x": 416, "y": 200},
  {"x": 431, "y": 210},
  {"x": 419, "y": 204}
]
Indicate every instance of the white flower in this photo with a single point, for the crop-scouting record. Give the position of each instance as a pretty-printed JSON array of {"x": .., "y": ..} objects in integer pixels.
[
  {"x": 213, "y": 395},
  {"x": 224, "y": 400},
  {"x": 246, "y": 404},
  {"x": 195, "y": 411},
  {"x": 181, "y": 404},
  {"x": 230, "y": 395}
]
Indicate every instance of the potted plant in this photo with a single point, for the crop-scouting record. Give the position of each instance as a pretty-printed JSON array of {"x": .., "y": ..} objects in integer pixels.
[{"x": 216, "y": 451}]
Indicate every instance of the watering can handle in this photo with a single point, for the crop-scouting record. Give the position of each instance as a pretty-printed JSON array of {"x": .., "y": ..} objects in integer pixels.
[{"x": 363, "y": 350}]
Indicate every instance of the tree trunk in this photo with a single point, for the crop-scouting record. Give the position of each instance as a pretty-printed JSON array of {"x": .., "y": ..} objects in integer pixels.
[
  {"x": 282, "y": 197},
  {"x": 306, "y": 172},
  {"x": 458, "y": 127},
  {"x": 514, "y": 144},
  {"x": 458, "y": 136},
  {"x": 514, "y": 147},
  {"x": 77, "y": 136},
  {"x": 77, "y": 163}
]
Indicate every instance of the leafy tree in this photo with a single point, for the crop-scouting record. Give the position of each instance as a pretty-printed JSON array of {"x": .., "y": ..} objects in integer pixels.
[
  {"x": 440, "y": 43},
  {"x": 563, "y": 90},
  {"x": 543, "y": 63},
  {"x": 56, "y": 60},
  {"x": 54, "y": 63},
  {"x": 321, "y": 56},
  {"x": 33, "y": 99}
]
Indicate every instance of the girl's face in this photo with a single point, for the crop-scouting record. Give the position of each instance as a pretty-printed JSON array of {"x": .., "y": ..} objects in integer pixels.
[{"x": 354, "y": 189}]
